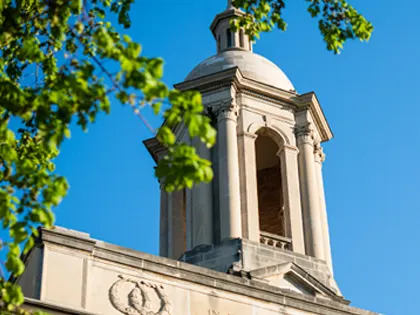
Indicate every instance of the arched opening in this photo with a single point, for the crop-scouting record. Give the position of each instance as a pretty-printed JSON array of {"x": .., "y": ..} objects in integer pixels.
[
  {"x": 269, "y": 181},
  {"x": 218, "y": 44}
]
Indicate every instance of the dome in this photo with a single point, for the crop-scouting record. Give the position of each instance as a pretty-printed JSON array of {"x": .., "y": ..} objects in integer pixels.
[{"x": 252, "y": 66}]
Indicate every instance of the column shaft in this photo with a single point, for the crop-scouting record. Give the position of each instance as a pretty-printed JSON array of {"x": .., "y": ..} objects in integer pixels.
[
  {"x": 309, "y": 194},
  {"x": 319, "y": 158},
  {"x": 230, "y": 208}
]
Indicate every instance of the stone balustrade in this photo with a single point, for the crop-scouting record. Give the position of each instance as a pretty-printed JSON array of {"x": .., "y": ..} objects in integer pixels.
[{"x": 275, "y": 240}]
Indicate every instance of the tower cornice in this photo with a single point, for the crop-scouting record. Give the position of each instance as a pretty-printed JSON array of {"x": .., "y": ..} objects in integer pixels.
[{"x": 230, "y": 13}]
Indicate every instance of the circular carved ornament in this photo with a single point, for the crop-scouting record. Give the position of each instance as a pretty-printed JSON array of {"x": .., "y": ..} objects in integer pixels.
[{"x": 139, "y": 302}]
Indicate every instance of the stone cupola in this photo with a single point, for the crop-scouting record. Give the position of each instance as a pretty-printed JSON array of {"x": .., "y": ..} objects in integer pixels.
[{"x": 265, "y": 206}]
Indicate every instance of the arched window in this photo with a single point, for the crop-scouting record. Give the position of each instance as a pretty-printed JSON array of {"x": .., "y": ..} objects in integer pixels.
[
  {"x": 229, "y": 38},
  {"x": 269, "y": 181},
  {"x": 241, "y": 38}
]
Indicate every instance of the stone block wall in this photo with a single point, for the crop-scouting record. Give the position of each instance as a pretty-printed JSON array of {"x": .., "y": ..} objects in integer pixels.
[
  {"x": 216, "y": 257},
  {"x": 244, "y": 255},
  {"x": 256, "y": 256}
]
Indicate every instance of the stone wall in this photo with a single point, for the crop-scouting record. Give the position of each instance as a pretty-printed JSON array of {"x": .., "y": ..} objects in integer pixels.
[{"x": 81, "y": 275}]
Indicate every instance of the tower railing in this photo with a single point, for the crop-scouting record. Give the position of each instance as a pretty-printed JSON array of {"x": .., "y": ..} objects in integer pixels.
[{"x": 275, "y": 240}]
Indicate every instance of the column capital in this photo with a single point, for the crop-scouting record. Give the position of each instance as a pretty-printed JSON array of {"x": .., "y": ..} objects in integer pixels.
[
  {"x": 319, "y": 153},
  {"x": 227, "y": 112},
  {"x": 304, "y": 133}
]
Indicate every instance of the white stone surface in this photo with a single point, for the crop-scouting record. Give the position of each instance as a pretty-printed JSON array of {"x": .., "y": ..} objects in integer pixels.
[
  {"x": 85, "y": 276},
  {"x": 252, "y": 66}
]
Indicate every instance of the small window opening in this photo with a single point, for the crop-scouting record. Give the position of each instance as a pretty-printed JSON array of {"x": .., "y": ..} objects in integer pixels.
[
  {"x": 241, "y": 38},
  {"x": 229, "y": 38},
  {"x": 218, "y": 44}
]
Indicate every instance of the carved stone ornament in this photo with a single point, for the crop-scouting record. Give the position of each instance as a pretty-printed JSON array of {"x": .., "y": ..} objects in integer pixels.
[
  {"x": 304, "y": 130},
  {"x": 319, "y": 152},
  {"x": 227, "y": 112},
  {"x": 139, "y": 301}
]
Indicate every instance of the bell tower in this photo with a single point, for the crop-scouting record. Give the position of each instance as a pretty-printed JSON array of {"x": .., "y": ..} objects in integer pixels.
[{"x": 264, "y": 214}]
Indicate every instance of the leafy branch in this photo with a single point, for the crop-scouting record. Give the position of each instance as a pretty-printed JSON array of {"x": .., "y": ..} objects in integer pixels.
[
  {"x": 338, "y": 21},
  {"x": 67, "y": 44}
]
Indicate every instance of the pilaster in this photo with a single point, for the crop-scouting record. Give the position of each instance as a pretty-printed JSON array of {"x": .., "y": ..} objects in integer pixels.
[{"x": 248, "y": 180}]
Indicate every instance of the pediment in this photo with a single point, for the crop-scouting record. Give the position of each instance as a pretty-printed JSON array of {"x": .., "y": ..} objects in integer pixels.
[{"x": 290, "y": 276}]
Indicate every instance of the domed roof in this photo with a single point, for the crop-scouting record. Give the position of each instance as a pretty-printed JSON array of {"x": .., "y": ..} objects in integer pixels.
[{"x": 252, "y": 66}]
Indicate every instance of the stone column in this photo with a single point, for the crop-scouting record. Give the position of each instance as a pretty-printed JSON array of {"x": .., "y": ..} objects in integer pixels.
[
  {"x": 319, "y": 159},
  {"x": 163, "y": 233},
  {"x": 291, "y": 196},
  {"x": 249, "y": 187},
  {"x": 229, "y": 198},
  {"x": 202, "y": 204},
  {"x": 176, "y": 224},
  {"x": 309, "y": 193}
]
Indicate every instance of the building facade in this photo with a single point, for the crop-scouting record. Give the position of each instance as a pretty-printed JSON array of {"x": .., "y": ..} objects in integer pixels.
[{"x": 255, "y": 241}]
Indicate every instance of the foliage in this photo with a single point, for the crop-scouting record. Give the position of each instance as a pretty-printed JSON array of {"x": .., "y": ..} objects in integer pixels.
[
  {"x": 53, "y": 73},
  {"x": 338, "y": 21}
]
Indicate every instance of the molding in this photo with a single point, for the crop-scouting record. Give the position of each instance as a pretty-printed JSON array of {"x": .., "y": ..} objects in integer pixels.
[
  {"x": 248, "y": 135},
  {"x": 288, "y": 99},
  {"x": 227, "y": 14},
  {"x": 277, "y": 134},
  {"x": 297, "y": 272},
  {"x": 155, "y": 148},
  {"x": 270, "y": 100},
  {"x": 178, "y": 271},
  {"x": 309, "y": 101},
  {"x": 37, "y": 305},
  {"x": 287, "y": 148}
]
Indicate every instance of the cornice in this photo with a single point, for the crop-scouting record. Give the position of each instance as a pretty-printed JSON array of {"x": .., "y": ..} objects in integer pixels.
[
  {"x": 269, "y": 99},
  {"x": 309, "y": 101},
  {"x": 180, "y": 271},
  {"x": 155, "y": 148},
  {"x": 233, "y": 77},
  {"x": 225, "y": 15}
]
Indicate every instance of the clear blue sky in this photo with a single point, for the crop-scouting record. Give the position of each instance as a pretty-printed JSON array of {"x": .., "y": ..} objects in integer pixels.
[{"x": 369, "y": 95}]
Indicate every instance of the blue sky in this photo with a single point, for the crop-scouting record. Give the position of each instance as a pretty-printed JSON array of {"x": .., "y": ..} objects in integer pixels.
[{"x": 369, "y": 95}]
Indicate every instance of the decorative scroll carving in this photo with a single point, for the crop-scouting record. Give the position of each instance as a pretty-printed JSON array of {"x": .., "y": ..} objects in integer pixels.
[
  {"x": 227, "y": 112},
  {"x": 319, "y": 152},
  {"x": 304, "y": 130},
  {"x": 139, "y": 302}
]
